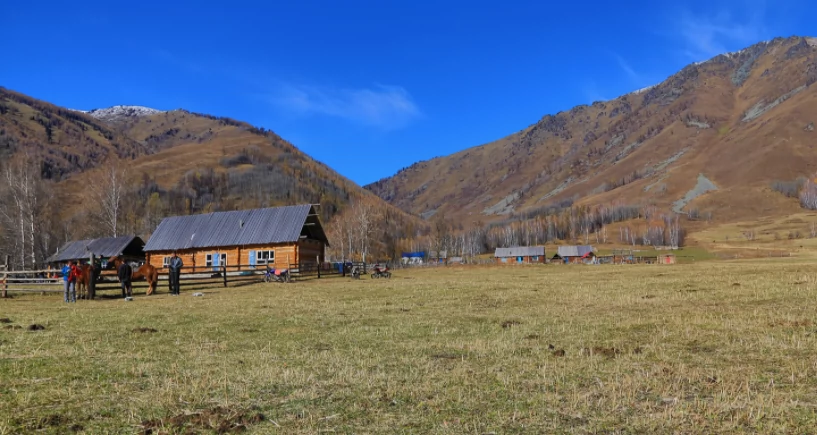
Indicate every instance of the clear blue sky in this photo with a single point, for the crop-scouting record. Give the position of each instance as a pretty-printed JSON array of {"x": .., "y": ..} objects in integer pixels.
[{"x": 369, "y": 87}]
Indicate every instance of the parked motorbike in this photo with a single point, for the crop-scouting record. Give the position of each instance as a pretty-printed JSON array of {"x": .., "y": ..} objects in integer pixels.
[
  {"x": 277, "y": 275},
  {"x": 381, "y": 272}
]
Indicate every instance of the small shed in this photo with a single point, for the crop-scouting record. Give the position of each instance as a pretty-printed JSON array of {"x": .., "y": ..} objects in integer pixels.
[
  {"x": 412, "y": 257},
  {"x": 521, "y": 254},
  {"x": 437, "y": 257},
  {"x": 131, "y": 248},
  {"x": 574, "y": 254},
  {"x": 666, "y": 259}
]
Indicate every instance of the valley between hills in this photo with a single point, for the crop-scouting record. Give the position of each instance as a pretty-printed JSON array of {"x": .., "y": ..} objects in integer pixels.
[{"x": 725, "y": 142}]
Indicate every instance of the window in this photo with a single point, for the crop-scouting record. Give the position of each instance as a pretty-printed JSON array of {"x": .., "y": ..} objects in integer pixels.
[
  {"x": 535, "y": 258},
  {"x": 208, "y": 260},
  {"x": 165, "y": 262},
  {"x": 265, "y": 257},
  {"x": 223, "y": 261}
]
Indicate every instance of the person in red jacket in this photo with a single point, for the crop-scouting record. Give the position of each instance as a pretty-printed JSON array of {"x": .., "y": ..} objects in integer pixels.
[{"x": 71, "y": 282}]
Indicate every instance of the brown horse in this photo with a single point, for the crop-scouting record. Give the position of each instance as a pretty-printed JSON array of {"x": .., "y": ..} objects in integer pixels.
[
  {"x": 146, "y": 271},
  {"x": 86, "y": 274}
]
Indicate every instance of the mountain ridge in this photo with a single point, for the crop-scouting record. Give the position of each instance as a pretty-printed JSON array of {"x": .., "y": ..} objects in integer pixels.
[{"x": 662, "y": 131}]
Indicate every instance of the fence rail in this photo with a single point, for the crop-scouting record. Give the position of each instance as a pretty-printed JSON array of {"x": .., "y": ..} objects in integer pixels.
[{"x": 190, "y": 278}]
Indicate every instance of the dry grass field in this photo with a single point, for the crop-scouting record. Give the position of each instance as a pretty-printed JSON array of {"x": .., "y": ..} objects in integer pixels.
[{"x": 710, "y": 347}]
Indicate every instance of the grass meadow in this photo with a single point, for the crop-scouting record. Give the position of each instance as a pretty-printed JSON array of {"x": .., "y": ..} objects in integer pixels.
[{"x": 710, "y": 347}]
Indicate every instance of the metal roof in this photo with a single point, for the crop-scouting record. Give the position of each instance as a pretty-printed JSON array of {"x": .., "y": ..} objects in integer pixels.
[
  {"x": 574, "y": 251},
  {"x": 236, "y": 228},
  {"x": 520, "y": 251},
  {"x": 105, "y": 247}
]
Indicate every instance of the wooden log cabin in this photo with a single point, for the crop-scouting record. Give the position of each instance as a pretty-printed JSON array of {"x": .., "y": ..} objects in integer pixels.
[{"x": 280, "y": 237}]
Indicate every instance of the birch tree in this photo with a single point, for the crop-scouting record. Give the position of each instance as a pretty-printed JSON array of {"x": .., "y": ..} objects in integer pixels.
[{"x": 110, "y": 192}]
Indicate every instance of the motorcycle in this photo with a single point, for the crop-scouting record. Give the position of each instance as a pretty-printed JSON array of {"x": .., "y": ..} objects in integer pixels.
[
  {"x": 277, "y": 275},
  {"x": 381, "y": 272}
]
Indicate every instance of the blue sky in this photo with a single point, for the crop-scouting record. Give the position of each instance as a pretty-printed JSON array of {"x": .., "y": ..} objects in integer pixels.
[{"x": 370, "y": 87}]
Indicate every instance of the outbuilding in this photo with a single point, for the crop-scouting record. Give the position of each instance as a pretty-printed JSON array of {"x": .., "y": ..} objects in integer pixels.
[
  {"x": 666, "y": 259},
  {"x": 521, "y": 254},
  {"x": 574, "y": 254},
  {"x": 130, "y": 248},
  {"x": 278, "y": 237}
]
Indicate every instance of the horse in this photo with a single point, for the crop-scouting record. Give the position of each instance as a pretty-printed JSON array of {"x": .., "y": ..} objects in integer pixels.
[
  {"x": 86, "y": 274},
  {"x": 146, "y": 271}
]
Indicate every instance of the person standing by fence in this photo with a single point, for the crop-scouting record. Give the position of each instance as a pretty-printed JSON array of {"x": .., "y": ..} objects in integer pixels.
[
  {"x": 69, "y": 276},
  {"x": 175, "y": 266},
  {"x": 125, "y": 274}
]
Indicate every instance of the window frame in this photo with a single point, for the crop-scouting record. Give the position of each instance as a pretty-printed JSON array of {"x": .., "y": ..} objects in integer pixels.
[{"x": 264, "y": 257}]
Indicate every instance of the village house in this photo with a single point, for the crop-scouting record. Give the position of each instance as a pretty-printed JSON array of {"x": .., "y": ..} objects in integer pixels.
[
  {"x": 278, "y": 237},
  {"x": 666, "y": 259},
  {"x": 130, "y": 248},
  {"x": 524, "y": 254},
  {"x": 574, "y": 255}
]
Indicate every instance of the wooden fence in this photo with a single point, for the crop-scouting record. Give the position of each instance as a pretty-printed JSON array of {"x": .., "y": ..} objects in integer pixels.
[{"x": 190, "y": 278}]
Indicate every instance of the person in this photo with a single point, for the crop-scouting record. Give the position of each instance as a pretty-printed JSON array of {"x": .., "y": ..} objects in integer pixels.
[
  {"x": 125, "y": 274},
  {"x": 66, "y": 275},
  {"x": 70, "y": 274},
  {"x": 175, "y": 270}
]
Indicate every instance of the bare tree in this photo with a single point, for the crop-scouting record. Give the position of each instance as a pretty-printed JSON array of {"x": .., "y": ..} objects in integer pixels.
[
  {"x": 365, "y": 217},
  {"x": 110, "y": 192},
  {"x": 24, "y": 201}
]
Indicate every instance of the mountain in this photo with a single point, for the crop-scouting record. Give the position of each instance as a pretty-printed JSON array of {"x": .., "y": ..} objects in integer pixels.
[
  {"x": 173, "y": 162},
  {"x": 67, "y": 141},
  {"x": 711, "y": 137},
  {"x": 118, "y": 113}
]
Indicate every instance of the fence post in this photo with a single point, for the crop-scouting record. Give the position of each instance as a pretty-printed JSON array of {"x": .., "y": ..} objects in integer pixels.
[
  {"x": 92, "y": 281},
  {"x": 318, "y": 262},
  {"x": 6, "y": 278},
  {"x": 225, "y": 274}
]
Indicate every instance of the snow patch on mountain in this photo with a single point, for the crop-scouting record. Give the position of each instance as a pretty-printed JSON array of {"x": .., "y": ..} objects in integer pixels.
[
  {"x": 119, "y": 112},
  {"x": 642, "y": 90}
]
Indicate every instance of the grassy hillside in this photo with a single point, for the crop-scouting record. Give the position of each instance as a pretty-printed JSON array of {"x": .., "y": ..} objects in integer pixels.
[{"x": 734, "y": 124}]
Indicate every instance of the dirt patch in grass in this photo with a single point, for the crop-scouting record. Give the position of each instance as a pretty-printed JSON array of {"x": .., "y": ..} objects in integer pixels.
[
  {"x": 648, "y": 297},
  {"x": 219, "y": 420},
  {"x": 509, "y": 323},
  {"x": 448, "y": 355},
  {"x": 532, "y": 337},
  {"x": 61, "y": 423},
  {"x": 5, "y": 320},
  {"x": 36, "y": 327},
  {"x": 559, "y": 352},
  {"x": 247, "y": 330},
  {"x": 12, "y": 327},
  {"x": 695, "y": 346},
  {"x": 805, "y": 323},
  {"x": 609, "y": 352},
  {"x": 143, "y": 330}
]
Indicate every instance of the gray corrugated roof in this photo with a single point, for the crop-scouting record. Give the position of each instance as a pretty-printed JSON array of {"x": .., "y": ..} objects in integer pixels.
[
  {"x": 574, "y": 251},
  {"x": 520, "y": 251},
  {"x": 235, "y": 228},
  {"x": 105, "y": 247}
]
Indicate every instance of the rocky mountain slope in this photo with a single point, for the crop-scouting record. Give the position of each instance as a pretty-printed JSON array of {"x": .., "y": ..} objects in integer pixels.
[{"x": 711, "y": 137}]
